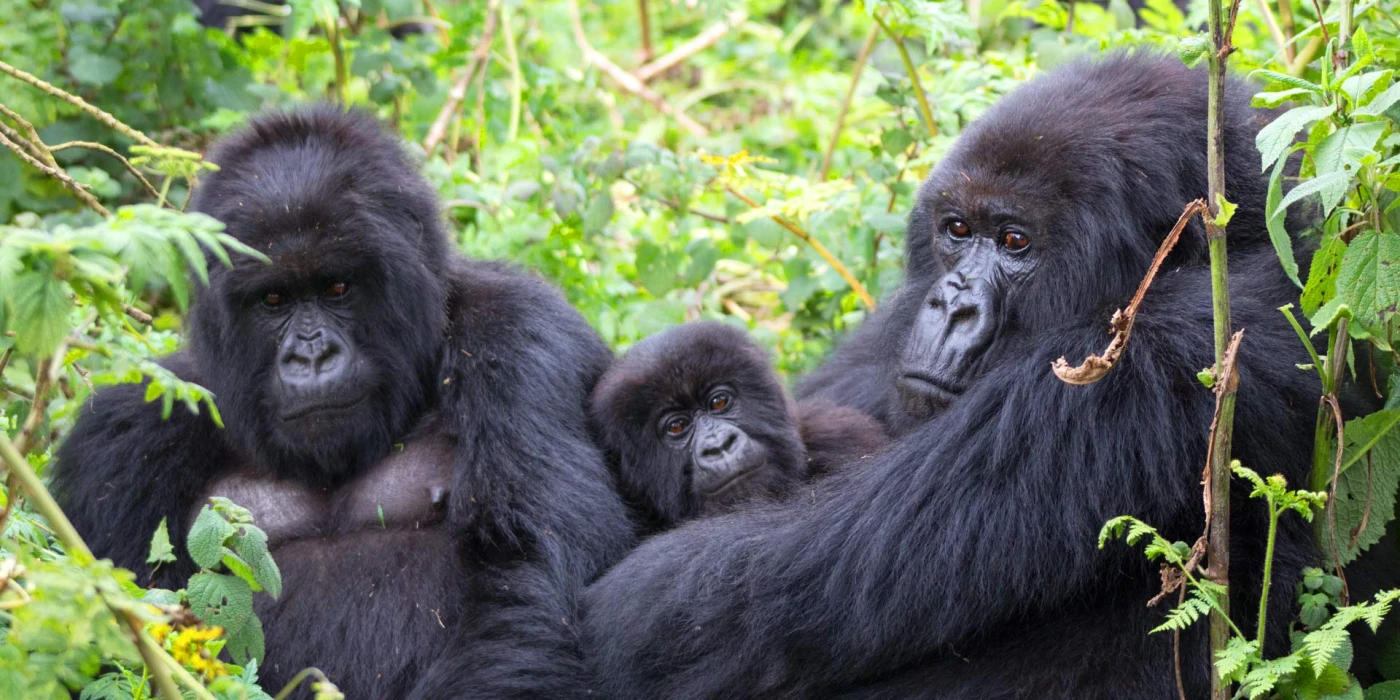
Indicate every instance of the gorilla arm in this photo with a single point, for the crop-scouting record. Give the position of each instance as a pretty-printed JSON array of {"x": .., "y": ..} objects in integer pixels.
[
  {"x": 531, "y": 495},
  {"x": 123, "y": 468},
  {"x": 985, "y": 515}
]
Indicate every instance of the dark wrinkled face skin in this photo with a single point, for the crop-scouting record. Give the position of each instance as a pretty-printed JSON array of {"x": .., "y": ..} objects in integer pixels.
[
  {"x": 325, "y": 357},
  {"x": 697, "y": 424},
  {"x": 985, "y": 247}
]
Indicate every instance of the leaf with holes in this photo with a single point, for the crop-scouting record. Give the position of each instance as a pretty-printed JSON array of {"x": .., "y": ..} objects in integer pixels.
[
  {"x": 1369, "y": 279},
  {"x": 220, "y": 599}
]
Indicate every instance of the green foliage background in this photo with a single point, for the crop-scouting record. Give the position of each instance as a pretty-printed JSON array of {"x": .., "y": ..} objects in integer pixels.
[{"x": 644, "y": 220}]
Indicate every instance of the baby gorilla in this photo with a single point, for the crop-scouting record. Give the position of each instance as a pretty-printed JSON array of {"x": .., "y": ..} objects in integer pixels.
[{"x": 696, "y": 422}]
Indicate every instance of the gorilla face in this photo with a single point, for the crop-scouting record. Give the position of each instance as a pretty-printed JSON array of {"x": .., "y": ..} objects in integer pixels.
[
  {"x": 696, "y": 423},
  {"x": 322, "y": 359},
  {"x": 984, "y": 248}
]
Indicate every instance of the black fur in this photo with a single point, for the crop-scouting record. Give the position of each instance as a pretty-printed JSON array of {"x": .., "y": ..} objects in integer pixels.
[
  {"x": 836, "y": 436},
  {"x": 960, "y": 562},
  {"x": 481, "y": 605}
]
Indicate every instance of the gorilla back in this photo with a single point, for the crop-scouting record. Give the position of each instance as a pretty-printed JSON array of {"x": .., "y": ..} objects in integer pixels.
[
  {"x": 448, "y": 568},
  {"x": 961, "y": 561}
]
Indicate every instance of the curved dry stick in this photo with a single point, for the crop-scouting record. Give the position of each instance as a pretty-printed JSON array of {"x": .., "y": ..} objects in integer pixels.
[
  {"x": 80, "y": 103},
  {"x": 702, "y": 41},
  {"x": 1095, "y": 367},
  {"x": 458, "y": 91}
]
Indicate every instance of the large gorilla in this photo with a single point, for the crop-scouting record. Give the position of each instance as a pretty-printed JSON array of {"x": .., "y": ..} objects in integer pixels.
[
  {"x": 696, "y": 422},
  {"x": 453, "y": 566},
  {"x": 961, "y": 562}
]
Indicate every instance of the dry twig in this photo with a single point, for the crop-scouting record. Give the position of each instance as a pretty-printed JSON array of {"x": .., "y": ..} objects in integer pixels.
[
  {"x": 1095, "y": 367},
  {"x": 700, "y": 42},
  {"x": 458, "y": 91},
  {"x": 626, "y": 80}
]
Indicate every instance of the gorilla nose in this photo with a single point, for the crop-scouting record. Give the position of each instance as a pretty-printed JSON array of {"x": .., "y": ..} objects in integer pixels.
[
  {"x": 717, "y": 447},
  {"x": 312, "y": 359}
]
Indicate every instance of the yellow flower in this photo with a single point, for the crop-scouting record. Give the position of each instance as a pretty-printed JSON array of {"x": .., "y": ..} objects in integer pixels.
[
  {"x": 159, "y": 632},
  {"x": 188, "y": 648}
]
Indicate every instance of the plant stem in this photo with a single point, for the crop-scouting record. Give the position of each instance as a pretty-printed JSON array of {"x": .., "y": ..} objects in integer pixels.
[
  {"x": 861, "y": 58},
  {"x": 80, "y": 103},
  {"x": 1341, "y": 59},
  {"x": 517, "y": 83},
  {"x": 898, "y": 40},
  {"x": 642, "y": 14},
  {"x": 331, "y": 24},
  {"x": 1218, "y": 542},
  {"x": 1285, "y": 20},
  {"x": 1268, "y": 572}
]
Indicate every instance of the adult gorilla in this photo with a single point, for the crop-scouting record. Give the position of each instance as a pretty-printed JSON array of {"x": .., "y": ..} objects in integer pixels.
[
  {"x": 448, "y": 569},
  {"x": 961, "y": 562}
]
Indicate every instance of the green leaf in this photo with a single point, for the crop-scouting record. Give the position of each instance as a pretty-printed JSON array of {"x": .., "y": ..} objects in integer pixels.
[
  {"x": 1369, "y": 279},
  {"x": 220, "y": 599},
  {"x": 896, "y": 141},
  {"x": 240, "y": 568},
  {"x": 1226, "y": 209},
  {"x": 1314, "y": 186},
  {"x": 247, "y": 644},
  {"x": 1192, "y": 49},
  {"x": 1278, "y": 233},
  {"x": 703, "y": 256},
  {"x": 1276, "y": 138},
  {"x": 162, "y": 552},
  {"x": 251, "y": 545},
  {"x": 1380, "y": 103},
  {"x": 1274, "y": 99},
  {"x": 93, "y": 69},
  {"x": 1388, "y": 661},
  {"x": 206, "y": 539},
  {"x": 1367, "y": 488},
  {"x": 656, "y": 268},
  {"x": 1322, "y": 275},
  {"x": 1389, "y": 690},
  {"x": 40, "y": 305},
  {"x": 1342, "y": 151},
  {"x": 1268, "y": 76},
  {"x": 598, "y": 214}
]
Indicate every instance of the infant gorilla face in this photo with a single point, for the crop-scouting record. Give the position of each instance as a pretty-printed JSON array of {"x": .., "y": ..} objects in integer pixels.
[
  {"x": 696, "y": 422},
  {"x": 705, "y": 427}
]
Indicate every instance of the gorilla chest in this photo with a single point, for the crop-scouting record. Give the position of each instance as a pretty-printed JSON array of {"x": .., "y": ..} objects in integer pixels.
[{"x": 373, "y": 580}]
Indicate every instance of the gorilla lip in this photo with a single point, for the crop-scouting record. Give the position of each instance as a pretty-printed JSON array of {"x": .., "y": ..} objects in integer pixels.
[
  {"x": 321, "y": 406},
  {"x": 928, "y": 386}
]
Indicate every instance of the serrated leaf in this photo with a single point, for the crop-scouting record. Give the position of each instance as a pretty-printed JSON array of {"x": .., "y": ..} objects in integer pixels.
[
  {"x": 39, "y": 312},
  {"x": 247, "y": 645},
  {"x": 1314, "y": 186},
  {"x": 162, "y": 552},
  {"x": 220, "y": 599},
  {"x": 240, "y": 568},
  {"x": 1289, "y": 80},
  {"x": 251, "y": 545},
  {"x": 1341, "y": 151},
  {"x": 1380, "y": 103},
  {"x": 1322, "y": 275},
  {"x": 1274, "y": 99},
  {"x": 1369, "y": 278},
  {"x": 1367, "y": 488},
  {"x": 1276, "y": 138},
  {"x": 206, "y": 538}
]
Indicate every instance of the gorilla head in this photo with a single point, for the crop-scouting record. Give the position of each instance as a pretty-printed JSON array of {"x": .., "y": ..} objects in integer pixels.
[
  {"x": 1009, "y": 201},
  {"x": 696, "y": 422},
  {"x": 296, "y": 350}
]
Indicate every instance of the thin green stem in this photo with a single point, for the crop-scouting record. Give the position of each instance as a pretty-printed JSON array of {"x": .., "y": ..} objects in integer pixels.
[
  {"x": 517, "y": 82},
  {"x": 1287, "y": 310},
  {"x": 1268, "y": 572},
  {"x": 924, "y": 110},
  {"x": 859, "y": 68}
]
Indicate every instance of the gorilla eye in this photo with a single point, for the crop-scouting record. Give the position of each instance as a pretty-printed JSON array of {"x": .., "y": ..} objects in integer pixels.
[
  {"x": 273, "y": 299},
  {"x": 957, "y": 228},
  {"x": 337, "y": 289},
  {"x": 719, "y": 402},
  {"x": 1015, "y": 241},
  {"x": 677, "y": 426}
]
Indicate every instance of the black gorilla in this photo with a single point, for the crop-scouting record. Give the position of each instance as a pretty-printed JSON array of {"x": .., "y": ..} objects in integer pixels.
[
  {"x": 451, "y": 567},
  {"x": 696, "y": 423},
  {"x": 961, "y": 561}
]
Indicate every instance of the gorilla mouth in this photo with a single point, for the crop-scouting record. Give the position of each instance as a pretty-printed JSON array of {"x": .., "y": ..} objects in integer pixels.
[
  {"x": 929, "y": 387},
  {"x": 304, "y": 409},
  {"x": 736, "y": 479}
]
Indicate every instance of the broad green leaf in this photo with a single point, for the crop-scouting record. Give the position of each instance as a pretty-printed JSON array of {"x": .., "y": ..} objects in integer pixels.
[
  {"x": 1369, "y": 280},
  {"x": 246, "y": 646},
  {"x": 240, "y": 568},
  {"x": 162, "y": 552},
  {"x": 93, "y": 69},
  {"x": 220, "y": 599},
  {"x": 1322, "y": 275},
  {"x": 1314, "y": 186},
  {"x": 251, "y": 545},
  {"x": 1358, "y": 88},
  {"x": 206, "y": 539},
  {"x": 1274, "y": 99},
  {"x": 1342, "y": 151},
  {"x": 1278, "y": 232},
  {"x": 1366, "y": 489},
  {"x": 1277, "y": 137},
  {"x": 656, "y": 268},
  {"x": 896, "y": 141},
  {"x": 39, "y": 306},
  {"x": 598, "y": 213},
  {"x": 1380, "y": 103},
  {"x": 1389, "y": 690},
  {"x": 1286, "y": 79}
]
